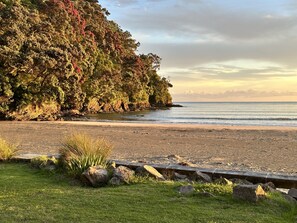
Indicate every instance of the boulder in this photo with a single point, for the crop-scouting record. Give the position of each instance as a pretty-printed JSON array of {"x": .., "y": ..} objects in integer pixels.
[
  {"x": 293, "y": 193},
  {"x": 189, "y": 189},
  {"x": 115, "y": 181},
  {"x": 141, "y": 171},
  {"x": 97, "y": 176},
  {"x": 153, "y": 172},
  {"x": 270, "y": 184},
  {"x": 198, "y": 176},
  {"x": 124, "y": 174},
  {"x": 250, "y": 193},
  {"x": 289, "y": 198},
  {"x": 268, "y": 187}
]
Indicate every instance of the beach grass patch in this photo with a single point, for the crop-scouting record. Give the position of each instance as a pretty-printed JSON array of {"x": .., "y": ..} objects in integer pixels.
[
  {"x": 33, "y": 195},
  {"x": 7, "y": 150}
]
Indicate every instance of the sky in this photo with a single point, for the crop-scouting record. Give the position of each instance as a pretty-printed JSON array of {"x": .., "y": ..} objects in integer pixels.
[{"x": 217, "y": 50}]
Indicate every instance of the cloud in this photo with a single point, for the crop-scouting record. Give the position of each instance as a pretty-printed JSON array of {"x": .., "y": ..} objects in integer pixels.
[
  {"x": 190, "y": 54},
  {"x": 244, "y": 95},
  {"x": 201, "y": 41},
  {"x": 209, "y": 18},
  {"x": 125, "y": 2},
  {"x": 192, "y": 32}
]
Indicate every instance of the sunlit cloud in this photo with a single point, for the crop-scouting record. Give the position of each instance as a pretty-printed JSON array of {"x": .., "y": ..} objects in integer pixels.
[{"x": 216, "y": 47}]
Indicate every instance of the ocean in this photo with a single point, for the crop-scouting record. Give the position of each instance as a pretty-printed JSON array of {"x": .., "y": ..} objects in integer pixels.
[{"x": 216, "y": 113}]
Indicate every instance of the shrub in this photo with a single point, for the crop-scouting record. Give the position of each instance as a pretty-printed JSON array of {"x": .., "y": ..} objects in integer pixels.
[
  {"x": 7, "y": 150},
  {"x": 80, "y": 151}
]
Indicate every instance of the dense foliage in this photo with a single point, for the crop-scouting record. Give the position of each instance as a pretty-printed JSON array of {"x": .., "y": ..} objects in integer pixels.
[{"x": 62, "y": 55}]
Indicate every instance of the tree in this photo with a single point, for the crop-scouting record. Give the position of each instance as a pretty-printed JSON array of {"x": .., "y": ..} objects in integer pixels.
[{"x": 65, "y": 55}]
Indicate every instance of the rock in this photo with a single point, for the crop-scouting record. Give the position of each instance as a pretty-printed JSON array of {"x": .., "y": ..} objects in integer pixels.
[
  {"x": 139, "y": 106},
  {"x": 97, "y": 176},
  {"x": 270, "y": 184},
  {"x": 168, "y": 174},
  {"x": 124, "y": 174},
  {"x": 198, "y": 176},
  {"x": 189, "y": 189},
  {"x": 223, "y": 181},
  {"x": 141, "y": 171},
  {"x": 241, "y": 181},
  {"x": 282, "y": 190},
  {"x": 170, "y": 105},
  {"x": 117, "y": 106},
  {"x": 125, "y": 106},
  {"x": 178, "y": 176},
  {"x": 293, "y": 193},
  {"x": 115, "y": 181},
  {"x": 250, "y": 193},
  {"x": 107, "y": 108},
  {"x": 289, "y": 198},
  {"x": 268, "y": 187},
  {"x": 153, "y": 172}
]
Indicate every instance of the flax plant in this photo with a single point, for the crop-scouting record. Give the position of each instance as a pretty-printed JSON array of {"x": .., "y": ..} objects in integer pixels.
[{"x": 80, "y": 151}]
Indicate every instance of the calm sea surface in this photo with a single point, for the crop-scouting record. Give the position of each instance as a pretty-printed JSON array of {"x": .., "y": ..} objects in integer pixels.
[{"x": 223, "y": 113}]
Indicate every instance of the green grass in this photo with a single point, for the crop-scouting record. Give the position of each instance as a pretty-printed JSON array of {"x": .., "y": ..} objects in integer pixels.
[{"x": 30, "y": 195}]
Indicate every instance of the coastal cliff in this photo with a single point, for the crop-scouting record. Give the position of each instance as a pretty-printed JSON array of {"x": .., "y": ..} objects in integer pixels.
[{"x": 61, "y": 57}]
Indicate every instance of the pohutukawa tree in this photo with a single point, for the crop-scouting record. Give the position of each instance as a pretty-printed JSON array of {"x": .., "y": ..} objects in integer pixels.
[{"x": 61, "y": 55}]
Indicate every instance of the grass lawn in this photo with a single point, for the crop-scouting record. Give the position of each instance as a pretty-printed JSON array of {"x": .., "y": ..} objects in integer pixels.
[{"x": 29, "y": 195}]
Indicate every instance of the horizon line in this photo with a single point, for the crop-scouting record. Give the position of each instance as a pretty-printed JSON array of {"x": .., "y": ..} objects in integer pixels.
[{"x": 235, "y": 102}]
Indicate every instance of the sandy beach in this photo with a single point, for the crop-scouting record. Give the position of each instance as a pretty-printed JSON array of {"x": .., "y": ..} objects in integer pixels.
[{"x": 272, "y": 149}]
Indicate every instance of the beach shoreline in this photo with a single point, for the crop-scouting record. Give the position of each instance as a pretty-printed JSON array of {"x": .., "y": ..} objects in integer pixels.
[
  {"x": 251, "y": 148},
  {"x": 178, "y": 125}
]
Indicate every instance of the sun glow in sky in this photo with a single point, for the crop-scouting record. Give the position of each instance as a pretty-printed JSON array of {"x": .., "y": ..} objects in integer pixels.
[{"x": 212, "y": 50}]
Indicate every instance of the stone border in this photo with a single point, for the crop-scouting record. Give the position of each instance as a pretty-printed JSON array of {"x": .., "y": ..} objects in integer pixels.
[{"x": 279, "y": 180}]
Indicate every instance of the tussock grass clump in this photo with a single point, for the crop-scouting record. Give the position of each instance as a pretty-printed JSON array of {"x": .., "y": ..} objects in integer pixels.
[
  {"x": 7, "y": 150},
  {"x": 80, "y": 151}
]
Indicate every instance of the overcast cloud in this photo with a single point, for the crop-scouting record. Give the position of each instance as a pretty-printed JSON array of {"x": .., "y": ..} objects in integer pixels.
[{"x": 202, "y": 40}]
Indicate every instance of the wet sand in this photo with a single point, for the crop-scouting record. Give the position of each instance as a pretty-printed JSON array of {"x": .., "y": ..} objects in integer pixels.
[{"x": 272, "y": 149}]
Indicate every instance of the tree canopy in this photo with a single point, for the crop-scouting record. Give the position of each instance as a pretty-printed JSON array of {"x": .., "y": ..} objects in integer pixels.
[{"x": 65, "y": 55}]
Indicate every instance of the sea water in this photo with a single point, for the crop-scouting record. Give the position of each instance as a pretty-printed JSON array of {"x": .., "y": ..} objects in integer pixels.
[{"x": 217, "y": 113}]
